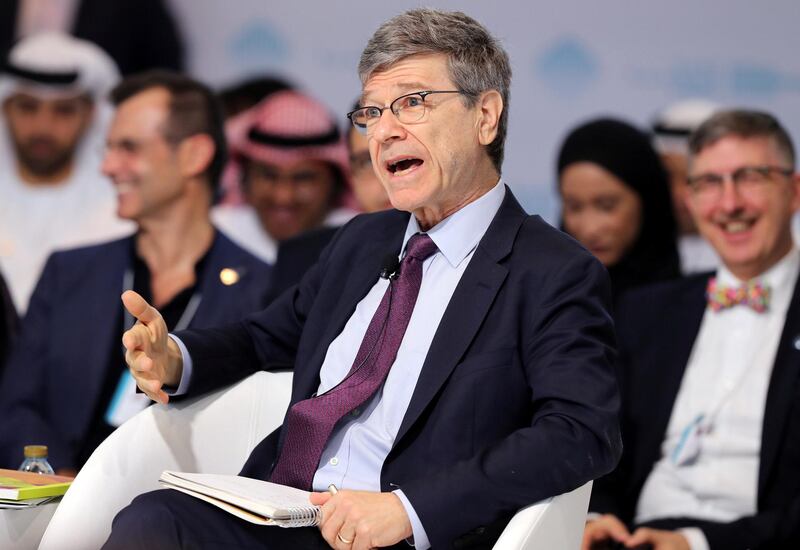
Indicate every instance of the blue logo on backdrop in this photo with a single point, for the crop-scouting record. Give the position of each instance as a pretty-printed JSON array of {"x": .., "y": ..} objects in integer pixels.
[
  {"x": 743, "y": 81},
  {"x": 258, "y": 45},
  {"x": 695, "y": 79},
  {"x": 567, "y": 67},
  {"x": 761, "y": 81}
]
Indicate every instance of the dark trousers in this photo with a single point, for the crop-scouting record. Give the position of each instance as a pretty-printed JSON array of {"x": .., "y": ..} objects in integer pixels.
[{"x": 168, "y": 519}]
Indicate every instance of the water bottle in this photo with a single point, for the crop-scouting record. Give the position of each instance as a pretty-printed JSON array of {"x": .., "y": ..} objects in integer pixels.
[{"x": 36, "y": 460}]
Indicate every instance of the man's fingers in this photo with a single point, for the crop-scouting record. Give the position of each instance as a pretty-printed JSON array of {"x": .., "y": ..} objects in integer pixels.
[
  {"x": 332, "y": 521},
  {"x": 318, "y": 499},
  {"x": 640, "y": 536},
  {"x": 153, "y": 390},
  {"x": 160, "y": 397},
  {"x": 139, "y": 308},
  {"x": 136, "y": 337},
  {"x": 604, "y": 528},
  {"x": 617, "y": 529}
]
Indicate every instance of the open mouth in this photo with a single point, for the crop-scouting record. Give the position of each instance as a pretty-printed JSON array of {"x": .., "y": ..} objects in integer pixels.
[{"x": 402, "y": 166}]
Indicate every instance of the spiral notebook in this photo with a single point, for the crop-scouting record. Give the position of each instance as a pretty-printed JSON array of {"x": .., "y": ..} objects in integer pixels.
[{"x": 253, "y": 500}]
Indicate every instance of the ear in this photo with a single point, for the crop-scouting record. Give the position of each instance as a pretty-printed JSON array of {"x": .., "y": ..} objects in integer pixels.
[
  {"x": 195, "y": 154},
  {"x": 490, "y": 107},
  {"x": 795, "y": 201},
  {"x": 689, "y": 201}
]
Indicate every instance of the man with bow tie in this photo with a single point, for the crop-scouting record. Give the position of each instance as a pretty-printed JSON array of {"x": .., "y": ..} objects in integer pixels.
[{"x": 710, "y": 365}]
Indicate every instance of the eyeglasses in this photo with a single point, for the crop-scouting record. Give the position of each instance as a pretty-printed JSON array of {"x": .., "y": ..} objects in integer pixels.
[
  {"x": 408, "y": 109},
  {"x": 748, "y": 180}
]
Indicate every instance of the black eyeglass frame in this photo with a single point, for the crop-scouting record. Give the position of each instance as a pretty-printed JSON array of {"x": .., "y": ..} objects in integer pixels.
[{"x": 422, "y": 94}]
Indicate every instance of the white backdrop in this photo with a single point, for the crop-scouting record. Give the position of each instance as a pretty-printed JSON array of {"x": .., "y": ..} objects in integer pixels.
[{"x": 572, "y": 59}]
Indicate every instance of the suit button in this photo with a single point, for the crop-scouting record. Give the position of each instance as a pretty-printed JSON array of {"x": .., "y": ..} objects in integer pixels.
[{"x": 797, "y": 343}]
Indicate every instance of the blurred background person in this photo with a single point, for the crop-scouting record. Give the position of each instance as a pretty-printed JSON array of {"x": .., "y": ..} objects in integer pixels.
[
  {"x": 138, "y": 34},
  {"x": 235, "y": 99},
  {"x": 244, "y": 94},
  {"x": 66, "y": 384},
  {"x": 671, "y": 129},
  {"x": 708, "y": 365},
  {"x": 52, "y": 194},
  {"x": 298, "y": 254},
  {"x": 291, "y": 160},
  {"x": 616, "y": 202},
  {"x": 369, "y": 192}
]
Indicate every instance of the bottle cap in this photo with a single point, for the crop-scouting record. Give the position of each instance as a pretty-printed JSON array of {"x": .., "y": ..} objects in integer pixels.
[{"x": 35, "y": 451}]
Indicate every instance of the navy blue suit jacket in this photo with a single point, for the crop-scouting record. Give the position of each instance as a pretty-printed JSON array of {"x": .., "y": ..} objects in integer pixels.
[
  {"x": 516, "y": 400},
  {"x": 657, "y": 327},
  {"x": 55, "y": 373}
]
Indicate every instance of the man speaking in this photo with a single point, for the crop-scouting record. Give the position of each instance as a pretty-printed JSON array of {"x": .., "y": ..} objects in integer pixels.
[{"x": 474, "y": 378}]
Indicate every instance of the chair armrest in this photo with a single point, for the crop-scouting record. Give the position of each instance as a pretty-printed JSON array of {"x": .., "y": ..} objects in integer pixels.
[
  {"x": 212, "y": 433},
  {"x": 557, "y": 522}
]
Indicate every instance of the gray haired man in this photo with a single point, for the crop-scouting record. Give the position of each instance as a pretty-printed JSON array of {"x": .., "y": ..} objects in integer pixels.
[{"x": 473, "y": 380}]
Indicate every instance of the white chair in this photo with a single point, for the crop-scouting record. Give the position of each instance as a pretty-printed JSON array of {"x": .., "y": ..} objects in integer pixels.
[
  {"x": 554, "y": 523},
  {"x": 213, "y": 433},
  {"x": 216, "y": 433}
]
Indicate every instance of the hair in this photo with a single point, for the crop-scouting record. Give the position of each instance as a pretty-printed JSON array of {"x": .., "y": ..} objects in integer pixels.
[
  {"x": 626, "y": 152},
  {"x": 476, "y": 60},
  {"x": 242, "y": 95},
  {"x": 193, "y": 109},
  {"x": 745, "y": 124}
]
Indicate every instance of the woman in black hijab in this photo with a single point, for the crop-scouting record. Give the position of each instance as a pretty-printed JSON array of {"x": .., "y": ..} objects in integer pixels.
[{"x": 616, "y": 202}]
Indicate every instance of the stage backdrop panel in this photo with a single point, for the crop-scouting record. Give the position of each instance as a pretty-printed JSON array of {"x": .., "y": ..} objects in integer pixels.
[{"x": 572, "y": 60}]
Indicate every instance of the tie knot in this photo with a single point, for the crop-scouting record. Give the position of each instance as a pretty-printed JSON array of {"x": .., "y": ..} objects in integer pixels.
[
  {"x": 752, "y": 294},
  {"x": 420, "y": 246}
]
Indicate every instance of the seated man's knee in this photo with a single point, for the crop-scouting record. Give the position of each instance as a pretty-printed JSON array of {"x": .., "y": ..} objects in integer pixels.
[{"x": 149, "y": 521}]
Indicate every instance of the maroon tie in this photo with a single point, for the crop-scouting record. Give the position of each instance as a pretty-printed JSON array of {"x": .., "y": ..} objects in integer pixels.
[{"x": 310, "y": 422}]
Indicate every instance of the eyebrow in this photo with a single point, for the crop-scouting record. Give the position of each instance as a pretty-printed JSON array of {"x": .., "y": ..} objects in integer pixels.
[{"x": 404, "y": 88}]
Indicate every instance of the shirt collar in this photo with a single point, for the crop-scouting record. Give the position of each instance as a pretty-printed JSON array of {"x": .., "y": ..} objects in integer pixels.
[
  {"x": 779, "y": 276},
  {"x": 459, "y": 233}
]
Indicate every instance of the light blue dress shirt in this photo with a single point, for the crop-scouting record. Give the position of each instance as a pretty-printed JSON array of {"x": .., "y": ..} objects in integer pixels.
[{"x": 360, "y": 442}]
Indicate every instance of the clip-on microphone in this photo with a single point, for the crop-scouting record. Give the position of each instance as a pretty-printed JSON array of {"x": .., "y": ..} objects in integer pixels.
[{"x": 390, "y": 268}]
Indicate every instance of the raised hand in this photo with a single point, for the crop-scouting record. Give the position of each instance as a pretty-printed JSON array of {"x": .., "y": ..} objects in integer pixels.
[{"x": 154, "y": 359}]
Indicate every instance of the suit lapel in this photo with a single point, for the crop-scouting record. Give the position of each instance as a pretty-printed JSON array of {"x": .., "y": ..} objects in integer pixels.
[
  {"x": 683, "y": 321},
  {"x": 467, "y": 309},
  {"x": 677, "y": 332},
  {"x": 103, "y": 311},
  {"x": 780, "y": 392},
  {"x": 213, "y": 295}
]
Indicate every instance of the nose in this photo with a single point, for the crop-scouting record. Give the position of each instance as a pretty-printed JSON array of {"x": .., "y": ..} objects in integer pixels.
[
  {"x": 387, "y": 127},
  {"x": 283, "y": 191},
  {"x": 583, "y": 226},
  {"x": 731, "y": 198},
  {"x": 42, "y": 119},
  {"x": 110, "y": 163}
]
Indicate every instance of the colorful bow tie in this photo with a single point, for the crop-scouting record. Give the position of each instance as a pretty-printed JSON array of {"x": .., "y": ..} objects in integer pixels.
[{"x": 751, "y": 294}]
